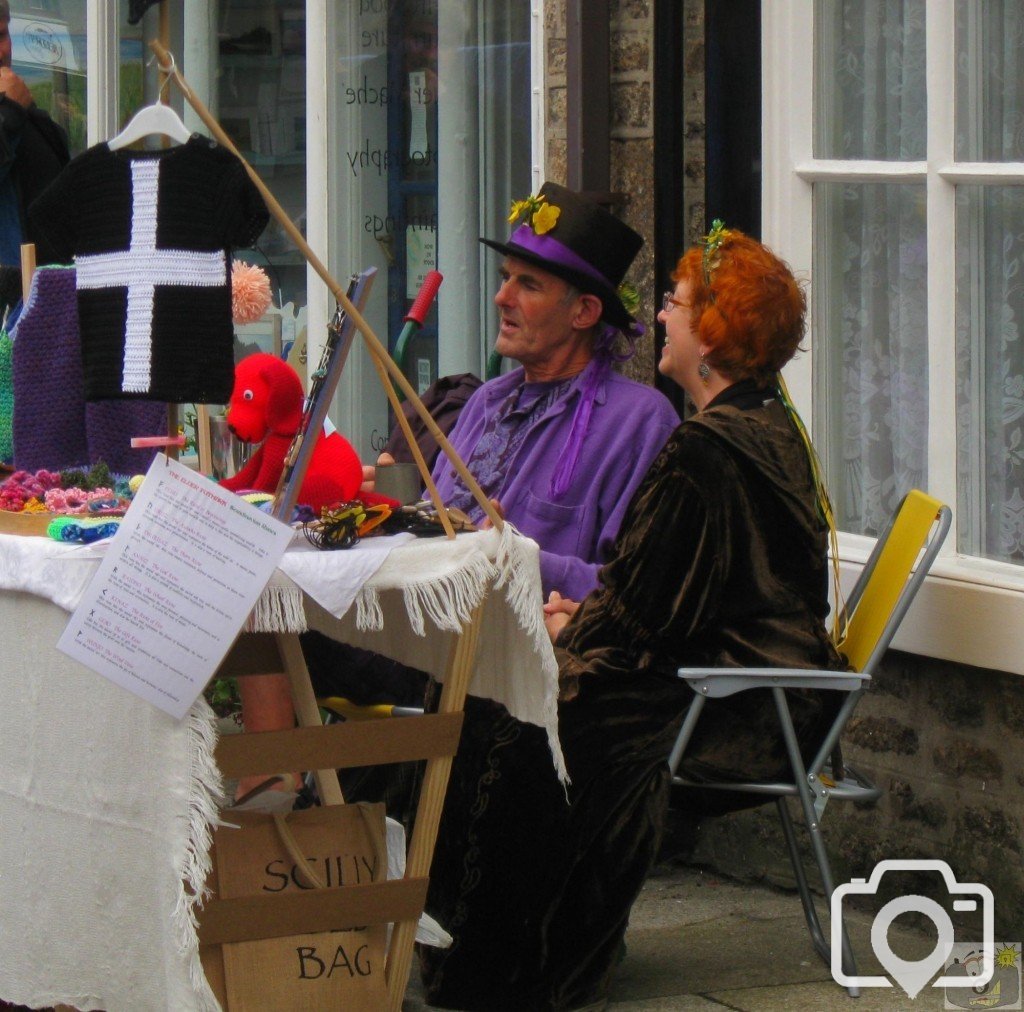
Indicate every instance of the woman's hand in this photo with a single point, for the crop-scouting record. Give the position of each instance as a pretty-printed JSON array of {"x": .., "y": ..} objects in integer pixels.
[
  {"x": 557, "y": 612},
  {"x": 370, "y": 472}
]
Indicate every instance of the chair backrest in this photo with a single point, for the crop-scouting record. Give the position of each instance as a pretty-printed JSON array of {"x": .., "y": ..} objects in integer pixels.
[{"x": 890, "y": 580}]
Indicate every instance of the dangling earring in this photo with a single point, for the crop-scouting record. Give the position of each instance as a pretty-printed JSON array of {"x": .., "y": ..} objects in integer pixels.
[{"x": 703, "y": 369}]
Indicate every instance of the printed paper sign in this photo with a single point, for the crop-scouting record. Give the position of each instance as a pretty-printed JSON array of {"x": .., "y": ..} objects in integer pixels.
[
  {"x": 176, "y": 586},
  {"x": 420, "y": 257}
]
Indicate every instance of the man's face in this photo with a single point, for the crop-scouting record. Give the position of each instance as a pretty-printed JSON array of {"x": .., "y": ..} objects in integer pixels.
[
  {"x": 5, "y": 42},
  {"x": 536, "y": 313}
]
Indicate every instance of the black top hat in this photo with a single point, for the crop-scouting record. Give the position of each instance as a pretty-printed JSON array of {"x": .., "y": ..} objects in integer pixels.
[{"x": 584, "y": 244}]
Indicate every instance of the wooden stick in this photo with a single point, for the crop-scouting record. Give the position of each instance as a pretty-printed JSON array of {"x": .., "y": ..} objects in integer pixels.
[
  {"x": 173, "y": 423},
  {"x": 375, "y": 347},
  {"x": 431, "y": 803},
  {"x": 28, "y": 268},
  {"x": 204, "y": 444},
  {"x": 327, "y": 784}
]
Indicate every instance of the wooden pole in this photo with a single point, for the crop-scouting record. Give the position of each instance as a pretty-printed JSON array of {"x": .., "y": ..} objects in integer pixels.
[
  {"x": 377, "y": 350},
  {"x": 431, "y": 803},
  {"x": 28, "y": 268},
  {"x": 174, "y": 411}
]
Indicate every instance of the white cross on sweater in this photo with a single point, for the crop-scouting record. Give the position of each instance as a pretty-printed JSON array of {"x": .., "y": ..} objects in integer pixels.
[{"x": 142, "y": 267}]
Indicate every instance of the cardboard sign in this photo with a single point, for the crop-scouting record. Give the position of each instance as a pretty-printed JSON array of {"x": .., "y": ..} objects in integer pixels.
[{"x": 343, "y": 845}]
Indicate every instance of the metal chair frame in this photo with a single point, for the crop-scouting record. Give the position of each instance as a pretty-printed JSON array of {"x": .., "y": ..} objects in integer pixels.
[{"x": 906, "y": 550}]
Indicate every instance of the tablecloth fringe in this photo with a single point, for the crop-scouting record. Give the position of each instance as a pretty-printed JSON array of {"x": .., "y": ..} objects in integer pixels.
[
  {"x": 205, "y": 798},
  {"x": 447, "y": 600},
  {"x": 278, "y": 609}
]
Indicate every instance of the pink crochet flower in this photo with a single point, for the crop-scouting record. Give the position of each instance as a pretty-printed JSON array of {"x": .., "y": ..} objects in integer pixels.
[
  {"x": 22, "y": 486},
  {"x": 250, "y": 292},
  {"x": 74, "y": 500}
]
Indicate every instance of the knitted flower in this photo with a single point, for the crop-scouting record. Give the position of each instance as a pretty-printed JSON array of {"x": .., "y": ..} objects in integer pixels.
[
  {"x": 74, "y": 500},
  {"x": 250, "y": 292}
]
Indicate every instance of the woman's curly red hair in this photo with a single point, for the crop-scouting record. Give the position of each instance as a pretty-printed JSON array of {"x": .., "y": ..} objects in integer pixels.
[{"x": 752, "y": 314}]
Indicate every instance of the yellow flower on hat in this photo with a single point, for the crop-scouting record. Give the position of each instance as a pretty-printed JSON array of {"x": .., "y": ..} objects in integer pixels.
[
  {"x": 545, "y": 218},
  {"x": 519, "y": 208}
]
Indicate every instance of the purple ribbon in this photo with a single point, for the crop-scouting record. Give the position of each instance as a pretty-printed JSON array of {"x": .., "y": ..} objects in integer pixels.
[{"x": 552, "y": 249}]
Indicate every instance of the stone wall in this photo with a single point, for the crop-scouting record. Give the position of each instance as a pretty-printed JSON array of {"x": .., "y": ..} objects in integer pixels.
[
  {"x": 631, "y": 131},
  {"x": 946, "y": 744},
  {"x": 944, "y": 741},
  {"x": 694, "y": 134}
]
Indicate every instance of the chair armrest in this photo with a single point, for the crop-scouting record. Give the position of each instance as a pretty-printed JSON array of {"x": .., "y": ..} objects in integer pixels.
[{"x": 718, "y": 682}]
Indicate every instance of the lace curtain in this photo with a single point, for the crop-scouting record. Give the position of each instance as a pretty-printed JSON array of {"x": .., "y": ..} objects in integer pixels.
[
  {"x": 990, "y": 282},
  {"x": 870, "y": 285}
]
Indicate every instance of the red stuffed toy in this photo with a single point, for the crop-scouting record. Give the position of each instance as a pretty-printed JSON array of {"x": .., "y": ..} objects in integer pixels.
[{"x": 266, "y": 404}]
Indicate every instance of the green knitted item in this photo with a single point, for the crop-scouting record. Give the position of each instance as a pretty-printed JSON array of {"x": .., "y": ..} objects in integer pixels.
[{"x": 6, "y": 399}]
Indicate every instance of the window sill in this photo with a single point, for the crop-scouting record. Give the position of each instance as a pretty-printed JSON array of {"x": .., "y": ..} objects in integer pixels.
[{"x": 969, "y": 611}]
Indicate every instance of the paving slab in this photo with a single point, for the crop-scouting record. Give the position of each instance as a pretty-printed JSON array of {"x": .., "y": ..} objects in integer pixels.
[{"x": 700, "y": 941}]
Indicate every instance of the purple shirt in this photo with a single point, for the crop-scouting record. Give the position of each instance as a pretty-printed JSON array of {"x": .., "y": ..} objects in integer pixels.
[{"x": 629, "y": 425}]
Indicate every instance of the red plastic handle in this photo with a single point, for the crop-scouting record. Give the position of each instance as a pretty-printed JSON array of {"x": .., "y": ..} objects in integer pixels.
[{"x": 428, "y": 291}]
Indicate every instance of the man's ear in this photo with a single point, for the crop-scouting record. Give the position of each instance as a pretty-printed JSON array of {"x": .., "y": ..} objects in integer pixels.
[{"x": 588, "y": 311}]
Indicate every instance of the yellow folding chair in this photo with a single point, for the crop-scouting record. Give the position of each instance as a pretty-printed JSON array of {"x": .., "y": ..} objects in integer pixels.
[{"x": 881, "y": 597}]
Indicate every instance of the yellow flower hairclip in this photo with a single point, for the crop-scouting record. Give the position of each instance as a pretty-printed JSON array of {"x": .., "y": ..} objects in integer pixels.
[
  {"x": 712, "y": 243},
  {"x": 541, "y": 216}
]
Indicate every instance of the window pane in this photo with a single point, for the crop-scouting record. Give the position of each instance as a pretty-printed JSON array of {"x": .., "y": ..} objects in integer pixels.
[
  {"x": 871, "y": 346},
  {"x": 261, "y": 104},
  {"x": 990, "y": 371},
  {"x": 48, "y": 53},
  {"x": 989, "y": 80},
  {"x": 869, "y": 79},
  {"x": 429, "y": 113}
]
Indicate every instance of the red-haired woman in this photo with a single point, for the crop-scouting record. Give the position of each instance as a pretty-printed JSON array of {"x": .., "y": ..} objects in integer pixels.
[{"x": 721, "y": 560}]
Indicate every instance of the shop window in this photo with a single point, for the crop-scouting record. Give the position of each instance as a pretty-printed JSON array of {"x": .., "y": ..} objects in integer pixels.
[
  {"x": 394, "y": 133},
  {"x": 428, "y": 143}
]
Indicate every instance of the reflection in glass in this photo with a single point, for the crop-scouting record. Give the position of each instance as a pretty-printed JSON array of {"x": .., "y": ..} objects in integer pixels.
[
  {"x": 871, "y": 346},
  {"x": 429, "y": 113},
  {"x": 869, "y": 79},
  {"x": 48, "y": 51},
  {"x": 989, "y": 80},
  {"x": 990, "y": 371}
]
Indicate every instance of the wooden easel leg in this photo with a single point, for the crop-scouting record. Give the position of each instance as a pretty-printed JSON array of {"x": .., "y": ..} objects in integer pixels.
[
  {"x": 428, "y": 812},
  {"x": 308, "y": 713}
]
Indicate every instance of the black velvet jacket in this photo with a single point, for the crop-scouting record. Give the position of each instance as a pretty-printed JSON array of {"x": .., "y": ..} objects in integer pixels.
[{"x": 721, "y": 561}]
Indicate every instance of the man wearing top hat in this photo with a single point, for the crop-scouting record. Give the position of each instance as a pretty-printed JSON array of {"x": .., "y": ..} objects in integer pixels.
[
  {"x": 559, "y": 443},
  {"x": 562, "y": 441}
]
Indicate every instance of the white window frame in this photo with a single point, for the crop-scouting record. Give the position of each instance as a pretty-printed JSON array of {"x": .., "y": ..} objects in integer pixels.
[{"x": 970, "y": 610}]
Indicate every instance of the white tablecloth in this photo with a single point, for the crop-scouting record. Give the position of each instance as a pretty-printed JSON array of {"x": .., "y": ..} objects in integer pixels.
[{"x": 106, "y": 803}]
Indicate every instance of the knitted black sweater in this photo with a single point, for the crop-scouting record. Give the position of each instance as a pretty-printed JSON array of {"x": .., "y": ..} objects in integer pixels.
[{"x": 150, "y": 233}]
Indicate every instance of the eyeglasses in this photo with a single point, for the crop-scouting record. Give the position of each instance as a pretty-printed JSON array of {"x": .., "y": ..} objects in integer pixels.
[{"x": 669, "y": 302}]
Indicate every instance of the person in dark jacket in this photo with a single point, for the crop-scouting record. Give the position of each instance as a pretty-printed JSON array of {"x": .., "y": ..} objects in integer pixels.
[
  {"x": 33, "y": 150},
  {"x": 721, "y": 560}
]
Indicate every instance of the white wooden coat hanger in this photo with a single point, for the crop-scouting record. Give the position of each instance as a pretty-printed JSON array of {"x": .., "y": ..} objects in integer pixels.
[{"x": 158, "y": 118}]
